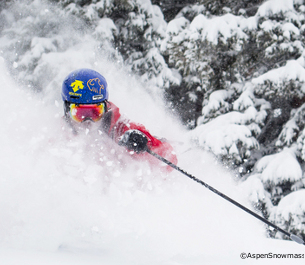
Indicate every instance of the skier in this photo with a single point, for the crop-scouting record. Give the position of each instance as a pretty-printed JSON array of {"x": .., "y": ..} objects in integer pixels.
[{"x": 85, "y": 97}]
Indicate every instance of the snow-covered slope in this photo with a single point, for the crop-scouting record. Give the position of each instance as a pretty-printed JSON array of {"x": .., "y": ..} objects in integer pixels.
[{"x": 67, "y": 200}]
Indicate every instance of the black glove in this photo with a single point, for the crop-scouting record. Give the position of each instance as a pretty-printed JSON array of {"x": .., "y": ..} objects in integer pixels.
[{"x": 134, "y": 140}]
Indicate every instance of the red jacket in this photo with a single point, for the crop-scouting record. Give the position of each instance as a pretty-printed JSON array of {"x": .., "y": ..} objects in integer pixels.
[{"x": 115, "y": 126}]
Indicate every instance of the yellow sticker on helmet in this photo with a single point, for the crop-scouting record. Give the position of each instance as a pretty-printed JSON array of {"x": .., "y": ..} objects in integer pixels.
[
  {"x": 95, "y": 85},
  {"x": 77, "y": 85}
]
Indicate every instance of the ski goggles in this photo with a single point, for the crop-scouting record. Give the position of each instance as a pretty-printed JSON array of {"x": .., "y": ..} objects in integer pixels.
[{"x": 83, "y": 112}]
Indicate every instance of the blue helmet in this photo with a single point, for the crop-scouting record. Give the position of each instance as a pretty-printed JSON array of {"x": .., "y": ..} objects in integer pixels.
[{"x": 84, "y": 86}]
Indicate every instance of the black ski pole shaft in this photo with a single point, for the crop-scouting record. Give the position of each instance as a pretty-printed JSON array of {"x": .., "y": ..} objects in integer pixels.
[{"x": 290, "y": 235}]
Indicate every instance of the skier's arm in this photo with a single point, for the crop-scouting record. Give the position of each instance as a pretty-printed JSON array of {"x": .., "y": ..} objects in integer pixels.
[
  {"x": 136, "y": 138},
  {"x": 119, "y": 128}
]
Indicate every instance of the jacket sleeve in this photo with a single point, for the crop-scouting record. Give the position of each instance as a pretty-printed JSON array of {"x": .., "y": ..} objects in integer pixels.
[{"x": 118, "y": 125}]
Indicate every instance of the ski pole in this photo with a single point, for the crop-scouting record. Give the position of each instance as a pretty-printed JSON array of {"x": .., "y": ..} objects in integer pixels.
[{"x": 290, "y": 235}]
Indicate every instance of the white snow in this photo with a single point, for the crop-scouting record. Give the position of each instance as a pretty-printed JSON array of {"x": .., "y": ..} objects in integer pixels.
[
  {"x": 273, "y": 7},
  {"x": 280, "y": 167},
  {"x": 268, "y": 25},
  {"x": 55, "y": 195},
  {"x": 176, "y": 31},
  {"x": 289, "y": 28},
  {"x": 289, "y": 132},
  {"x": 245, "y": 100},
  {"x": 291, "y": 128},
  {"x": 290, "y": 210},
  {"x": 224, "y": 27},
  {"x": 294, "y": 203},
  {"x": 254, "y": 187},
  {"x": 291, "y": 71},
  {"x": 176, "y": 25},
  {"x": 224, "y": 132},
  {"x": 60, "y": 205},
  {"x": 216, "y": 101},
  {"x": 105, "y": 29}
]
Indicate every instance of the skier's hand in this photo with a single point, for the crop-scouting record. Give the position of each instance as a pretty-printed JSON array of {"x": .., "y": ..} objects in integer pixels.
[{"x": 134, "y": 140}]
